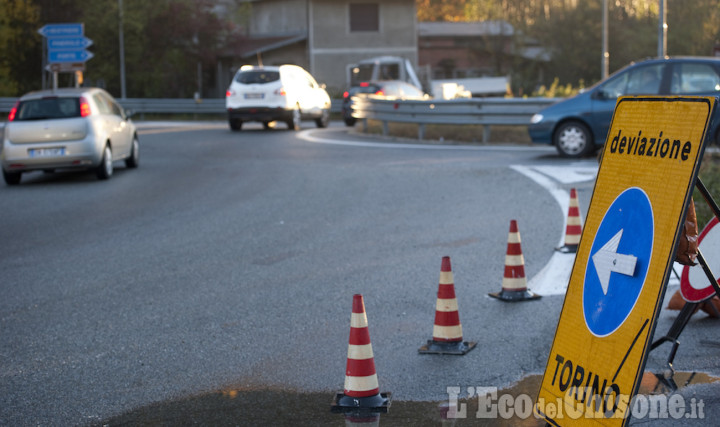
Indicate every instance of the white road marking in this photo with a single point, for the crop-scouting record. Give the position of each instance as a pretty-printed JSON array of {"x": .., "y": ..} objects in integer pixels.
[{"x": 310, "y": 135}]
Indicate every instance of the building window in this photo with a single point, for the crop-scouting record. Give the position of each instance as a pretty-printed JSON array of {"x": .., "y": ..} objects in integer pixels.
[{"x": 364, "y": 17}]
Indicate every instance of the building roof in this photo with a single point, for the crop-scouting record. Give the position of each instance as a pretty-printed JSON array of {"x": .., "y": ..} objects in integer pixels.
[
  {"x": 253, "y": 46},
  {"x": 465, "y": 29}
]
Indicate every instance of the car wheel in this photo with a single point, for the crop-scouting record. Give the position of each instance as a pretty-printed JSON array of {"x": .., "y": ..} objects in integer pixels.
[
  {"x": 323, "y": 120},
  {"x": 350, "y": 121},
  {"x": 12, "y": 178},
  {"x": 134, "y": 159},
  {"x": 105, "y": 168},
  {"x": 294, "y": 122},
  {"x": 235, "y": 124},
  {"x": 573, "y": 139}
]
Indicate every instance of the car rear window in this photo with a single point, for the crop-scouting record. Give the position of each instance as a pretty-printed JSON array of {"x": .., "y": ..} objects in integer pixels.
[
  {"x": 257, "y": 76},
  {"x": 362, "y": 72},
  {"x": 48, "y": 108},
  {"x": 694, "y": 78},
  {"x": 363, "y": 89}
]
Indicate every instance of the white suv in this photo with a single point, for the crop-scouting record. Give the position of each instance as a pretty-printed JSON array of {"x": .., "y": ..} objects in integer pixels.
[{"x": 286, "y": 93}]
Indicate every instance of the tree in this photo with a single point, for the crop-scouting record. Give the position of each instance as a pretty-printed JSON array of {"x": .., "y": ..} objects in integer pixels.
[
  {"x": 169, "y": 44},
  {"x": 441, "y": 10},
  {"x": 570, "y": 30},
  {"x": 19, "y": 47},
  {"x": 693, "y": 27}
]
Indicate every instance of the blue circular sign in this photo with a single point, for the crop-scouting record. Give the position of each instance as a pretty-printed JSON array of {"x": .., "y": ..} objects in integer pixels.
[{"x": 618, "y": 263}]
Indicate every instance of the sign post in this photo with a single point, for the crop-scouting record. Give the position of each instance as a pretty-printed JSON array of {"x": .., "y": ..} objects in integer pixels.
[{"x": 648, "y": 170}]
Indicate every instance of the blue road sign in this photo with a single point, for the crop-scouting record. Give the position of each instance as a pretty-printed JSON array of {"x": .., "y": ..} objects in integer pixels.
[
  {"x": 62, "y": 30},
  {"x": 68, "y": 43},
  {"x": 60, "y": 56},
  {"x": 619, "y": 261}
]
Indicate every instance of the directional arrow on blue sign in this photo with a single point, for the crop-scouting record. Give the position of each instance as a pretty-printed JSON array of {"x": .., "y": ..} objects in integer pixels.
[
  {"x": 62, "y": 30},
  {"x": 60, "y": 56},
  {"x": 607, "y": 260},
  {"x": 620, "y": 255},
  {"x": 68, "y": 43}
]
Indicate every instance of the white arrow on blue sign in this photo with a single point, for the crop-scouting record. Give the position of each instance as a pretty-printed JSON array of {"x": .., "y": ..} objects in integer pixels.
[
  {"x": 620, "y": 254},
  {"x": 62, "y": 30},
  {"x": 60, "y": 56},
  {"x": 68, "y": 43}
]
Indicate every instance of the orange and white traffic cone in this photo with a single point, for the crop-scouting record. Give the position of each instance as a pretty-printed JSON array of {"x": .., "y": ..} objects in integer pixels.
[
  {"x": 514, "y": 283},
  {"x": 447, "y": 330},
  {"x": 361, "y": 391},
  {"x": 573, "y": 229}
]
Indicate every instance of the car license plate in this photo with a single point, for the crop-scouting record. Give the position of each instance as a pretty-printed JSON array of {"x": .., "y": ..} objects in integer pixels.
[
  {"x": 254, "y": 95},
  {"x": 47, "y": 152}
]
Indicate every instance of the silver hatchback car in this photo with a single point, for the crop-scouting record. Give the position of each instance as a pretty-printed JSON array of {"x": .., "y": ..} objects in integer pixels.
[{"x": 76, "y": 128}]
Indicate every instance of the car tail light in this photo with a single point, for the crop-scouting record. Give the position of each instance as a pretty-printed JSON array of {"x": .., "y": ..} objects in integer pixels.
[
  {"x": 229, "y": 93},
  {"x": 84, "y": 107},
  {"x": 281, "y": 92},
  {"x": 380, "y": 92},
  {"x": 364, "y": 84},
  {"x": 346, "y": 94},
  {"x": 13, "y": 111}
]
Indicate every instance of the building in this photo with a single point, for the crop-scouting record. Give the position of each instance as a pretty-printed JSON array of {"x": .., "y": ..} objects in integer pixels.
[
  {"x": 326, "y": 36},
  {"x": 479, "y": 53}
]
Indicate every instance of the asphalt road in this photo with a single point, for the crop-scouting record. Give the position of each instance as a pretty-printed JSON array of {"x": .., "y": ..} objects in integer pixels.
[{"x": 229, "y": 261}]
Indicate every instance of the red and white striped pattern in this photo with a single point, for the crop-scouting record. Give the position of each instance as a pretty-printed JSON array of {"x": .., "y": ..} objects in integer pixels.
[
  {"x": 360, "y": 376},
  {"x": 514, "y": 278},
  {"x": 573, "y": 229},
  {"x": 447, "y": 326}
]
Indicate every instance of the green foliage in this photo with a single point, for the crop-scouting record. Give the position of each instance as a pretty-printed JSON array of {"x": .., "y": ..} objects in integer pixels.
[
  {"x": 571, "y": 31},
  {"x": 19, "y": 45},
  {"x": 167, "y": 41},
  {"x": 168, "y": 44},
  {"x": 440, "y": 10},
  {"x": 710, "y": 176}
]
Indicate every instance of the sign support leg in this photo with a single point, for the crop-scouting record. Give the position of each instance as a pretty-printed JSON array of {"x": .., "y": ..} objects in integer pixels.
[
  {"x": 684, "y": 316},
  {"x": 676, "y": 329},
  {"x": 708, "y": 197},
  {"x": 716, "y": 211},
  {"x": 708, "y": 272}
]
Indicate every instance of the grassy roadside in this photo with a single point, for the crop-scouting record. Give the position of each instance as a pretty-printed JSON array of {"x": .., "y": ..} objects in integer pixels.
[
  {"x": 710, "y": 176},
  {"x": 451, "y": 134}
]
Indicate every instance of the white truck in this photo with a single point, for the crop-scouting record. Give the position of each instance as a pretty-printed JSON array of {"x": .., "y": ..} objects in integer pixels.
[{"x": 382, "y": 68}]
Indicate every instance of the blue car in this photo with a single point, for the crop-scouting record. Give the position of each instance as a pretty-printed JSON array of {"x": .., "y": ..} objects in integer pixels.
[{"x": 578, "y": 126}]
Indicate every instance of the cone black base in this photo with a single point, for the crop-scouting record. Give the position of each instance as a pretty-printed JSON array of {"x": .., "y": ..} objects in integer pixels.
[
  {"x": 457, "y": 348},
  {"x": 378, "y": 403},
  {"x": 567, "y": 249},
  {"x": 511, "y": 296}
]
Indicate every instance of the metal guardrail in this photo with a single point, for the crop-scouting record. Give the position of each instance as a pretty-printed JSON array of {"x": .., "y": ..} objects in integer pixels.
[
  {"x": 6, "y": 104},
  {"x": 483, "y": 111},
  {"x": 474, "y": 111},
  {"x": 166, "y": 105},
  {"x": 148, "y": 105},
  {"x": 174, "y": 106}
]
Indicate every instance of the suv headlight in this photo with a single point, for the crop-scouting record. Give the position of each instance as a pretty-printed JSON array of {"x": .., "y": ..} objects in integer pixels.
[{"x": 536, "y": 118}]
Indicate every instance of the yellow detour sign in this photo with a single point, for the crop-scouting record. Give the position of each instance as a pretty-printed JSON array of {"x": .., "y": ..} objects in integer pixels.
[{"x": 624, "y": 259}]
